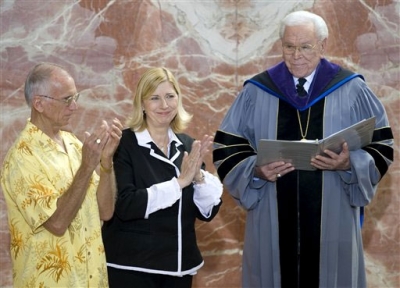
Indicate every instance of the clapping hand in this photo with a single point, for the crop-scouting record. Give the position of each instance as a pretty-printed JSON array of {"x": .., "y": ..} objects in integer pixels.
[
  {"x": 191, "y": 163},
  {"x": 206, "y": 143},
  {"x": 114, "y": 133},
  {"x": 101, "y": 144}
]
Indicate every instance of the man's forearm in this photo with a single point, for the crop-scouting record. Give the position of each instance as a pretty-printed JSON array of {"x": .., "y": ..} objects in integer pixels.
[
  {"x": 69, "y": 203},
  {"x": 106, "y": 191}
]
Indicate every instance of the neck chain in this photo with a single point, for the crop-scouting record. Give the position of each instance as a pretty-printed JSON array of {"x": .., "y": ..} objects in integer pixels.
[
  {"x": 303, "y": 135},
  {"x": 162, "y": 147}
]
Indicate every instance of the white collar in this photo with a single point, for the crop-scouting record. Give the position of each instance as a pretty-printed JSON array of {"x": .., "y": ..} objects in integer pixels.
[
  {"x": 309, "y": 79},
  {"x": 144, "y": 137}
]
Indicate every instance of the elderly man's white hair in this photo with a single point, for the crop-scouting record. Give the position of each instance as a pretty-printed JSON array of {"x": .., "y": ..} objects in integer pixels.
[{"x": 305, "y": 17}]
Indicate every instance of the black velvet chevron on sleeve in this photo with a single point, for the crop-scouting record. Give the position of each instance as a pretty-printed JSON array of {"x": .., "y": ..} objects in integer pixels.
[
  {"x": 231, "y": 151},
  {"x": 379, "y": 151}
]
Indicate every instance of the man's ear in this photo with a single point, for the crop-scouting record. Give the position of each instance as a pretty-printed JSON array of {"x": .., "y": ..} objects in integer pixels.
[
  {"x": 323, "y": 45},
  {"x": 37, "y": 103}
]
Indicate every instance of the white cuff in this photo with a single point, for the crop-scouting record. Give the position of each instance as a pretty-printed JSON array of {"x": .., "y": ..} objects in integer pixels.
[
  {"x": 162, "y": 195},
  {"x": 207, "y": 194}
]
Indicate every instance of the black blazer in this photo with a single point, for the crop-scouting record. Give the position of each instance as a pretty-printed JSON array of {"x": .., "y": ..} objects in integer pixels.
[{"x": 151, "y": 245}]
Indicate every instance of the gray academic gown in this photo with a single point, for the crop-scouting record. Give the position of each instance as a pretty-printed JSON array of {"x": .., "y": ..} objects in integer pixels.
[{"x": 253, "y": 116}]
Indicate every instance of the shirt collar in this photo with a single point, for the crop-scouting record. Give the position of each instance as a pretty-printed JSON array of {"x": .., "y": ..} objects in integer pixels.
[
  {"x": 309, "y": 79},
  {"x": 144, "y": 138},
  {"x": 45, "y": 142}
]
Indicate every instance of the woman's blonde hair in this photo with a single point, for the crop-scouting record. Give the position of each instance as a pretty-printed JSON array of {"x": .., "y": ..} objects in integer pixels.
[{"x": 146, "y": 86}]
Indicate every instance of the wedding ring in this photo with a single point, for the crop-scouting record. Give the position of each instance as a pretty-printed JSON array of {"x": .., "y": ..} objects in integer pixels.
[
  {"x": 278, "y": 175},
  {"x": 98, "y": 141}
]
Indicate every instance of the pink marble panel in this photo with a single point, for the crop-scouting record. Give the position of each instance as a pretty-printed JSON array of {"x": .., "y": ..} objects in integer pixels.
[{"x": 212, "y": 47}]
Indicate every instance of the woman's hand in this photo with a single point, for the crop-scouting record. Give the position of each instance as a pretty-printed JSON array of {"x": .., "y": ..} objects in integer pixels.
[
  {"x": 206, "y": 143},
  {"x": 190, "y": 164}
]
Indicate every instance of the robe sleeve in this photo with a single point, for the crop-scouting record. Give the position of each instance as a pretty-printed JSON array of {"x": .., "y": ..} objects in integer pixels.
[
  {"x": 234, "y": 154},
  {"x": 368, "y": 165}
]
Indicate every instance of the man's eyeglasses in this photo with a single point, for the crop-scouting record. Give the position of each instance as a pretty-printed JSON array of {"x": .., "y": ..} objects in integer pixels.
[
  {"x": 68, "y": 100},
  {"x": 305, "y": 49}
]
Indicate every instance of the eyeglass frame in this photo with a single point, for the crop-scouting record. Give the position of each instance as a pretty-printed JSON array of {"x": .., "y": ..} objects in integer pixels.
[
  {"x": 67, "y": 100},
  {"x": 299, "y": 48}
]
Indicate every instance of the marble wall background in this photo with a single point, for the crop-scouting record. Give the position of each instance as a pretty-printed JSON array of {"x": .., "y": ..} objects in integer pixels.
[{"x": 212, "y": 47}]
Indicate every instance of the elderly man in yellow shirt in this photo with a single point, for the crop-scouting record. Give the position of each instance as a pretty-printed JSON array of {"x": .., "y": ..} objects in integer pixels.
[{"x": 55, "y": 198}]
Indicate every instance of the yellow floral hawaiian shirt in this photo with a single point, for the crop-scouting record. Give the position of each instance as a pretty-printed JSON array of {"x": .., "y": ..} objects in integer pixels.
[{"x": 36, "y": 172}]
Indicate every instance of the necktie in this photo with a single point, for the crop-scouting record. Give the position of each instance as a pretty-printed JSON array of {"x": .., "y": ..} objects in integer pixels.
[{"x": 300, "y": 87}]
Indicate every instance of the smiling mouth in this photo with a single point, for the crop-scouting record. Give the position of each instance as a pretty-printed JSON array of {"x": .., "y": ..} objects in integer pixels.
[{"x": 164, "y": 113}]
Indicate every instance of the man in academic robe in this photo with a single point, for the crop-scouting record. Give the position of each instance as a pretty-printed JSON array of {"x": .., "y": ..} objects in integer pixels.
[{"x": 303, "y": 227}]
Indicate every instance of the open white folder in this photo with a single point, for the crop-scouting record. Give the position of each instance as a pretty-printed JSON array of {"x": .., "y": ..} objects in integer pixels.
[{"x": 299, "y": 153}]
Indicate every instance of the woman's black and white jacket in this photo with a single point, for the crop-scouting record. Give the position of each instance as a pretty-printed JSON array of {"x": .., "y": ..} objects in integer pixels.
[{"x": 153, "y": 227}]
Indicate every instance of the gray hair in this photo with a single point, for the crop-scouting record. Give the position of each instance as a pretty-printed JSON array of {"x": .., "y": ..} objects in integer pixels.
[
  {"x": 305, "y": 17},
  {"x": 38, "y": 80}
]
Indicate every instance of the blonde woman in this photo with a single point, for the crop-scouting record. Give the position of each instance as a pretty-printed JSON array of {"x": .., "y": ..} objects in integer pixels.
[{"x": 162, "y": 190}]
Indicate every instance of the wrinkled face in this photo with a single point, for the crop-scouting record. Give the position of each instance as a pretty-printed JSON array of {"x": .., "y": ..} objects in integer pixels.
[
  {"x": 60, "y": 103},
  {"x": 301, "y": 49},
  {"x": 162, "y": 106}
]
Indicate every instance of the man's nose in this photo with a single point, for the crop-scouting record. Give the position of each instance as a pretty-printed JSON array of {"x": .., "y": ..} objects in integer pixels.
[{"x": 297, "y": 52}]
